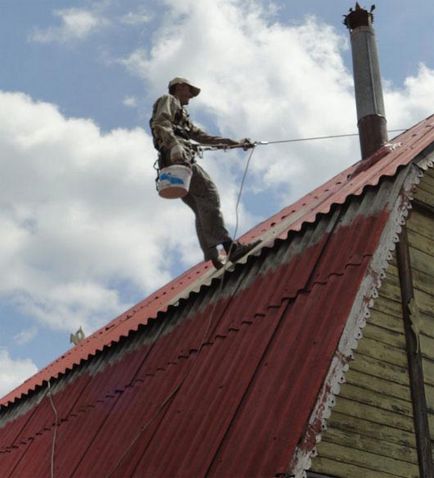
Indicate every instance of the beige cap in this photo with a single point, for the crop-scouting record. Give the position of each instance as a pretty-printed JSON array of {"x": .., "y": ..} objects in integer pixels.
[{"x": 179, "y": 81}]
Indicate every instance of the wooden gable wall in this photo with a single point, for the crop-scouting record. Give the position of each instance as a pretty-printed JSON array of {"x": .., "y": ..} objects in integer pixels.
[
  {"x": 371, "y": 432},
  {"x": 420, "y": 231}
]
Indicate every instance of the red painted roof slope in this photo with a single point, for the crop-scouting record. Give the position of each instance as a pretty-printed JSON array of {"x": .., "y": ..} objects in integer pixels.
[
  {"x": 224, "y": 384},
  {"x": 236, "y": 378},
  {"x": 306, "y": 210}
]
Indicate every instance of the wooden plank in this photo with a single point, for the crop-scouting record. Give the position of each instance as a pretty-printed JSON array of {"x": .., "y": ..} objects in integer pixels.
[
  {"x": 370, "y": 444},
  {"x": 428, "y": 172},
  {"x": 423, "y": 207},
  {"x": 427, "y": 347},
  {"x": 388, "y": 388},
  {"x": 428, "y": 371},
  {"x": 383, "y": 352},
  {"x": 427, "y": 329},
  {"x": 422, "y": 262},
  {"x": 362, "y": 396},
  {"x": 427, "y": 326},
  {"x": 423, "y": 281},
  {"x": 431, "y": 425},
  {"x": 425, "y": 303},
  {"x": 370, "y": 461},
  {"x": 374, "y": 415},
  {"x": 429, "y": 392},
  {"x": 382, "y": 432},
  {"x": 386, "y": 321},
  {"x": 385, "y": 336},
  {"x": 334, "y": 468},
  {"x": 390, "y": 291},
  {"x": 419, "y": 222},
  {"x": 427, "y": 183},
  {"x": 392, "y": 274},
  {"x": 424, "y": 196},
  {"x": 380, "y": 369},
  {"x": 310, "y": 474},
  {"x": 421, "y": 243},
  {"x": 387, "y": 306}
]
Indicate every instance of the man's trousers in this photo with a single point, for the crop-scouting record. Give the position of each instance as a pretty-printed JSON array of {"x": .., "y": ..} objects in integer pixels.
[{"x": 204, "y": 200}]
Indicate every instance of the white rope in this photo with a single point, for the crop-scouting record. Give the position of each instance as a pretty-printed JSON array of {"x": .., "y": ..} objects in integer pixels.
[
  {"x": 241, "y": 192},
  {"x": 204, "y": 337}
]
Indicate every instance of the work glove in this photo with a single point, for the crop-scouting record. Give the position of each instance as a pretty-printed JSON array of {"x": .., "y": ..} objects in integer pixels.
[
  {"x": 246, "y": 144},
  {"x": 177, "y": 154}
]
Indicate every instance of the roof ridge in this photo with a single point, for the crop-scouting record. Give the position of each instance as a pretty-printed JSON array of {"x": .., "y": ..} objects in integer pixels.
[{"x": 307, "y": 210}]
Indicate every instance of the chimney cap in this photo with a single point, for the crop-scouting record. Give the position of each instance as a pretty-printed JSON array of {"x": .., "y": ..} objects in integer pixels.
[{"x": 359, "y": 17}]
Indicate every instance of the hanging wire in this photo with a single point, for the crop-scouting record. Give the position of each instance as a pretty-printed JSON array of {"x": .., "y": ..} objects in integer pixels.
[
  {"x": 240, "y": 192},
  {"x": 204, "y": 337},
  {"x": 234, "y": 235}
]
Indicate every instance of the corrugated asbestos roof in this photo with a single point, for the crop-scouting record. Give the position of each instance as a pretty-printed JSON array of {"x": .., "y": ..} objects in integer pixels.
[
  {"x": 225, "y": 383},
  {"x": 336, "y": 191}
]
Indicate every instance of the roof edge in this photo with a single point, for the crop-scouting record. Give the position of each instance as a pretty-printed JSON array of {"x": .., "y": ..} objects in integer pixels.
[
  {"x": 308, "y": 210},
  {"x": 364, "y": 301}
]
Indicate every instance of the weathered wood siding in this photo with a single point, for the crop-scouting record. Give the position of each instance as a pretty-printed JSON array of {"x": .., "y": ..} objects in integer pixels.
[
  {"x": 371, "y": 432},
  {"x": 420, "y": 229}
]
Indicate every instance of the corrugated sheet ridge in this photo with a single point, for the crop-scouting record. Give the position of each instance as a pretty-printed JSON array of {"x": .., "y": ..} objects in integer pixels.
[
  {"x": 288, "y": 378},
  {"x": 414, "y": 142}
]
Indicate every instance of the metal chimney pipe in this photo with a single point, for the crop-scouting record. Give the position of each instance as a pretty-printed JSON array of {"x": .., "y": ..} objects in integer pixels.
[{"x": 371, "y": 115}]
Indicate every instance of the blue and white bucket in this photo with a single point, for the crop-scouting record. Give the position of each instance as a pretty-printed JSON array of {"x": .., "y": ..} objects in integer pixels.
[{"x": 174, "y": 181}]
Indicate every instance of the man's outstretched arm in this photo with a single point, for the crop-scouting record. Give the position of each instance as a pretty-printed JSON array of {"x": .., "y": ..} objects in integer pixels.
[{"x": 202, "y": 137}]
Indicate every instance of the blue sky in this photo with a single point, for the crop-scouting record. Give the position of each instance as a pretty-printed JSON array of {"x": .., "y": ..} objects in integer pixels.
[{"x": 83, "y": 234}]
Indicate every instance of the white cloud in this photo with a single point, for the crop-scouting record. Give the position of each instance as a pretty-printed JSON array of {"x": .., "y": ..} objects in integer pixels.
[
  {"x": 81, "y": 225},
  {"x": 75, "y": 24},
  {"x": 13, "y": 372},
  {"x": 25, "y": 336},
  {"x": 139, "y": 17},
  {"x": 130, "y": 102},
  {"x": 259, "y": 79},
  {"x": 270, "y": 81},
  {"x": 412, "y": 102}
]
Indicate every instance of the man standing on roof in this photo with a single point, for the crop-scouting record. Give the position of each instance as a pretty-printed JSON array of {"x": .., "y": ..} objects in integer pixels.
[{"x": 173, "y": 133}]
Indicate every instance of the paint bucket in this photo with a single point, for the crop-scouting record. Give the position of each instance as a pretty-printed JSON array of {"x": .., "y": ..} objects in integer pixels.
[{"x": 174, "y": 181}]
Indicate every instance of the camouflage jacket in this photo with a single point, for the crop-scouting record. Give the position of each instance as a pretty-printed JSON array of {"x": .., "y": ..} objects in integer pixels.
[{"x": 171, "y": 126}]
